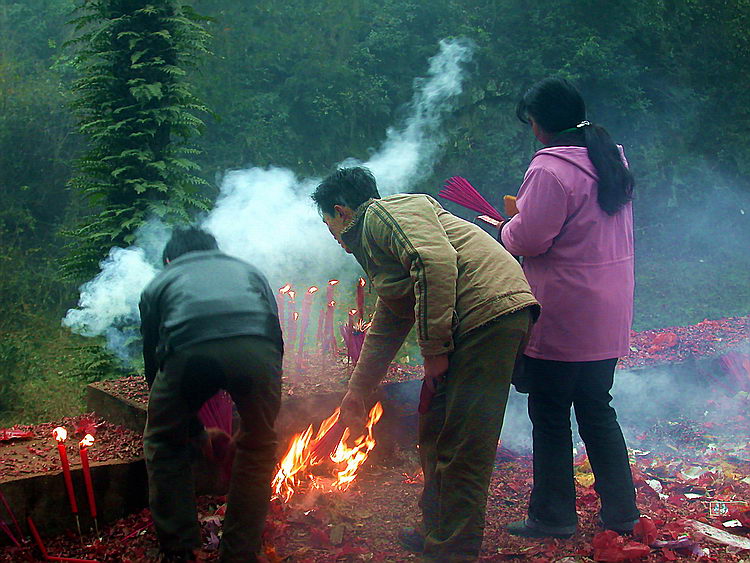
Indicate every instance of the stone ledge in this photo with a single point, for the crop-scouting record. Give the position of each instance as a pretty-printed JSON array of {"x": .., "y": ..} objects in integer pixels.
[{"x": 120, "y": 488}]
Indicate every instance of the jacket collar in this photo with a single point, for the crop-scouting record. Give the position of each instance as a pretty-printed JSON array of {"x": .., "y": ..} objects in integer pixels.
[
  {"x": 195, "y": 255},
  {"x": 351, "y": 234}
]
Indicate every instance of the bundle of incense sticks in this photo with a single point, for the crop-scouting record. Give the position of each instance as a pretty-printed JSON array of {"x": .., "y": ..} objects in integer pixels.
[
  {"x": 460, "y": 191},
  {"x": 328, "y": 443},
  {"x": 218, "y": 412}
]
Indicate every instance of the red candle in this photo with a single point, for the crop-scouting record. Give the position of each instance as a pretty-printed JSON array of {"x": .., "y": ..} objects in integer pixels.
[
  {"x": 292, "y": 312},
  {"x": 60, "y": 434},
  {"x": 83, "y": 445},
  {"x": 307, "y": 302},
  {"x": 361, "y": 297},
  {"x": 329, "y": 292},
  {"x": 321, "y": 323},
  {"x": 293, "y": 330},
  {"x": 329, "y": 341},
  {"x": 280, "y": 298}
]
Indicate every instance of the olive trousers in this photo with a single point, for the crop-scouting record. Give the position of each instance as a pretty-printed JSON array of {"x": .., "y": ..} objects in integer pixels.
[
  {"x": 458, "y": 437},
  {"x": 249, "y": 369}
]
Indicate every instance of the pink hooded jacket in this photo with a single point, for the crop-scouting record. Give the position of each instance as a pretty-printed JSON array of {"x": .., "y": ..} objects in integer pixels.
[{"x": 577, "y": 259}]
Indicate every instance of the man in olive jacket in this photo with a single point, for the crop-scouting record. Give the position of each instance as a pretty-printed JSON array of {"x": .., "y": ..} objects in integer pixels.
[
  {"x": 472, "y": 308},
  {"x": 209, "y": 321}
]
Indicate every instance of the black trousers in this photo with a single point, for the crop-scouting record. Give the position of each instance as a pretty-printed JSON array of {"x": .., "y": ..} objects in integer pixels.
[
  {"x": 249, "y": 368},
  {"x": 553, "y": 388}
]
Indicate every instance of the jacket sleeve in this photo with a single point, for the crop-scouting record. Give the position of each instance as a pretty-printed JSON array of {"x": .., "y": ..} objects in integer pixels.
[
  {"x": 150, "y": 335},
  {"x": 384, "y": 338},
  {"x": 542, "y": 212},
  {"x": 421, "y": 244}
]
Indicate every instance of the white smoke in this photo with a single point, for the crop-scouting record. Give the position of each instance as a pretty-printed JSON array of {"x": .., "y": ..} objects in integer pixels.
[
  {"x": 409, "y": 153},
  {"x": 108, "y": 305},
  {"x": 265, "y": 215}
]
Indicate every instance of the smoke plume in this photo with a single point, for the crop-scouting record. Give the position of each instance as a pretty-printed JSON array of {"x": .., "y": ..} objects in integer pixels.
[{"x": 265, "y": 215}]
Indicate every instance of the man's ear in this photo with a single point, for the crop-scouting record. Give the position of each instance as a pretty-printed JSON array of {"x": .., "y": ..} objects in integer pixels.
[{"x": 340, "y": 209}]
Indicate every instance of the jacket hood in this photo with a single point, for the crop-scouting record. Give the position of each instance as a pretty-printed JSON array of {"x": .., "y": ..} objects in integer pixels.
[{"x": 577, "y": 156}]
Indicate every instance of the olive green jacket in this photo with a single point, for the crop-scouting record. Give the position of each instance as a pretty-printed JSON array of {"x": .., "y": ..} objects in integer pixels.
[{"x": 430, "y": 267}]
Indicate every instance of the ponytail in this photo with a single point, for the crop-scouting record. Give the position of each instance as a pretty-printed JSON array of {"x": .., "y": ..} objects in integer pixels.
[
  {"x": 557, "y": 106},
  {"x": 616, "y": 182}
]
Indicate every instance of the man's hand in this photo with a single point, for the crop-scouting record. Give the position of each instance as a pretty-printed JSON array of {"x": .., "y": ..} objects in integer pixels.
[
  {"x": 435, "y": 368},
  {"x": 353, "y": 413}
]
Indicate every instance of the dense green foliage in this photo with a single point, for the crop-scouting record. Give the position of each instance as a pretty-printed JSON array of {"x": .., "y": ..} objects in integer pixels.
[
  {"x": 306, "y": 83},
  {"x": 137, "y": 112}
]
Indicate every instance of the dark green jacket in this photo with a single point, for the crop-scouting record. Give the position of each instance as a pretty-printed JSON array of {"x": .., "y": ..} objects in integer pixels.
[
  {"x": 430, "y": 267},
  {"x": 204, "y": 295}
]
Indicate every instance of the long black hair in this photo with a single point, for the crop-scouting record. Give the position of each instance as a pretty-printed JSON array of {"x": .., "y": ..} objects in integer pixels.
[{"x": 557, "y": 106}]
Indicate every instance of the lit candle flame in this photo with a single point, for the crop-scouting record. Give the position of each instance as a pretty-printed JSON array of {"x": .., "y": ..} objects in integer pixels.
[
  {"x": 352, "y": 311},
  {"x": 60, "y": 434},
  {"x": 87, "y": 441},
  {"x": 296, "y": 315},
  {"x": 292, "y": 295},
  {"x": 331, "y": 303},
  {"x": 312, "y": 290},
  {"x": 285, "y": 289},
  {"x": 362, "y": 282},
  {"x": 333, "y": 282}
]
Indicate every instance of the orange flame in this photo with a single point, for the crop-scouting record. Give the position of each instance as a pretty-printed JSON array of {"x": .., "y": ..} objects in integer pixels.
[
  {"x": 296, "y": 464},
  {"x": 296, "y": 315},
  {"x": 285, "y": 289},
  {"x": 332, "y": 303},
  {"x": 333, "y": 282},
  {"x": 362, "y": 282},
  {"x": 87, "y": 441},
  {"x": 292, "y": 294},
  {"x": 312, "y": 290},
  {"x": 60, "y": 434}
]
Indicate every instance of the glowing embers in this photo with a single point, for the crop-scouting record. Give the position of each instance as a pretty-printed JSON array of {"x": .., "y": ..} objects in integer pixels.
[{"x": 295, "y": 471}]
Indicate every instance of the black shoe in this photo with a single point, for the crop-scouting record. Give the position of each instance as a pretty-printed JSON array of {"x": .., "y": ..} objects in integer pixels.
[
  {"x": 411, "y": 540},
  {"x": 623, "y": 528},
  {"x": 529, "y": 529},
  {"x": 186, "y": 556}
]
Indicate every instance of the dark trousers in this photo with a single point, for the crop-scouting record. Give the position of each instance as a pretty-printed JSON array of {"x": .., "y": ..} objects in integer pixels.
[
  {"x": 249, "y": 368},
  {"x": 553, "y": 388},
  {"x": 458, "y": 437}
]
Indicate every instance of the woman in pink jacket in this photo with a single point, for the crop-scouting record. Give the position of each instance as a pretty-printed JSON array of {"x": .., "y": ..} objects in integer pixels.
[{"x": 574, "y": 228}]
